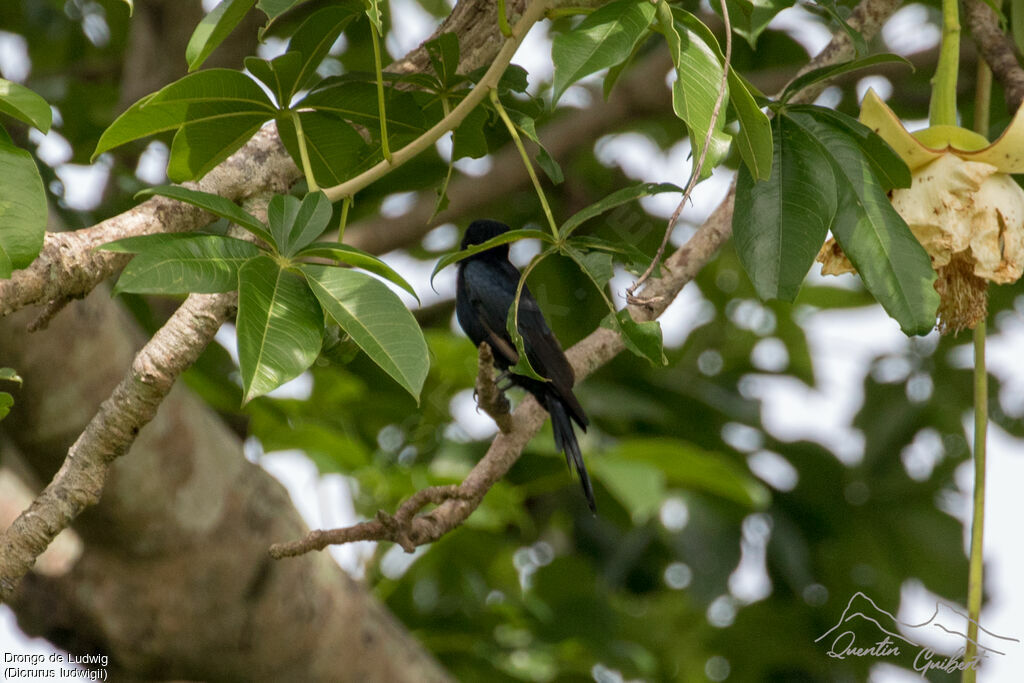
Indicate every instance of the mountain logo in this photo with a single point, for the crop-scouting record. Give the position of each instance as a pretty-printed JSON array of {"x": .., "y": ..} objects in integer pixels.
[{"x": 867, "y": 630}]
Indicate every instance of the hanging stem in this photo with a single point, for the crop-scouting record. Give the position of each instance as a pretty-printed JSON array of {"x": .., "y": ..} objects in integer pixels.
[
  {"x": 346, "y": 202},
  {"x": 976, "y": 565},
  {"x": 526, "y": 160},
  {"x": 503, "y": 26},
  {"x": 304, "y": 153},
  {"x": 380, "y": 93},
  {"x": 942, "y": 111}
]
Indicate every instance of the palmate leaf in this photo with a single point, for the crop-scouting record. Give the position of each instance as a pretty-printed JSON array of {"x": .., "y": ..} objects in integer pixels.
[
  {"x": 603, "y": 39},
  {"x": 280, "y": 326},
  {"x": 779, "y": 224},
  {"x": 376, "y": 320},
  {"x": 23, "y": 208},
  {"x": 184, "y": 263},
  {"x": 894, "y": 266}
]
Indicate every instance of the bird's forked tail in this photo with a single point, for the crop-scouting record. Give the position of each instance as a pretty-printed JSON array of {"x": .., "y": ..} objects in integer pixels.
[{"x": 565, "y": 441}]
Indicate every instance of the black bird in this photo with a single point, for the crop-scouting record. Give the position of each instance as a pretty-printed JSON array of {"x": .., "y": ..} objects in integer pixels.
[{"x": 485, "y": 289}]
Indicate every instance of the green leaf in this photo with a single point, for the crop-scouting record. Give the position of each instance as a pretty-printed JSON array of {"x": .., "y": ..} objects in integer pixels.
[
  {"x": 754, "y": 139},
  {"x": 359, "y": 259},
  {"x": 187, "y": 263},
  {"x": 24, "y": 105},
  {"x": 503, "y": 238},
  {"x": 469, "y": 140},
  {"x": 860, "y": 46},
  {"x": 689, "y": 467},
  {"x": 198, "y": 147},
  {"x": 140, "y": 243},
  {"x": 627, "y": 253},
  {"x": 335, "y": 148},
  {"x": 275, "y": 8},
  {"x": 698, "y": 76},
  {"x": 642, "y": 339},
  {"x": 131, "y": 6},
  {"x": 827, "y": 72},
  {"x": 294, "y": 224},
  {"x": 213, "y": 29},
  {"x": 528, "y": 127},
  {"x": 373, "y": 13},
  {"x": 10, "y": 375},
  {"x": 316, "y": 35},
  {"x": 603, "y": 39},
  {"x": 750, "y": 17},
  {"x": 311, "y": 222},
  {"x": 209, "y": 95},
  {"x": 596, "y": 265},
  {"x": 6, "y": 402},
  {"x": 894, "y": 266},
  {"x": 356, "y": 101},
  {"x": 279, "y": 74},
  {"x": 22, "y": 209},
  {"x": 444, "y": 57},
  {"x": 280, "y": 326},
  {"x": 215, "y": 204},
  {"x": 780, "y": 224},
  {"x": 617, "y": 198},
  {"x": 888, "y": 166},
  {"x": 638, "y": 486},
  {"x": 376, "y": 320}
]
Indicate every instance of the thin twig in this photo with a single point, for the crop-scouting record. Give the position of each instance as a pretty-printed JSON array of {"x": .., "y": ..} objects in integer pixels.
[
  {"x": 489, "y": 397},
  {"x": 695, "y": 173},
  {"x": 998, "y": 50}
]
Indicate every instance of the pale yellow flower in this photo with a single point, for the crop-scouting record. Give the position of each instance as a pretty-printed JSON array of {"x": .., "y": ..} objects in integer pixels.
[{"x": 962, "y": 206}]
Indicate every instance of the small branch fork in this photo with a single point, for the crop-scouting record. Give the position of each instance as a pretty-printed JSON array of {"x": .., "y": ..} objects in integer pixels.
[{"x": 454, "y": 504}]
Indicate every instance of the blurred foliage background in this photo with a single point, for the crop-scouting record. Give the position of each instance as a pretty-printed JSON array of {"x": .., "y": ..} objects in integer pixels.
[{"x": 689, "y": 479}]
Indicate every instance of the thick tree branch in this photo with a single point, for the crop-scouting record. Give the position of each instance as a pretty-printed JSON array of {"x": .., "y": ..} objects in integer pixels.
[
  {"x": 998, "y": 50},
  {"x": 590, "y": 353},
  {"x": 79, "y": 482}
]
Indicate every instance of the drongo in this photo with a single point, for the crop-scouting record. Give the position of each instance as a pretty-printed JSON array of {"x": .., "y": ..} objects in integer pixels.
[{"x": 485, "y": 290}]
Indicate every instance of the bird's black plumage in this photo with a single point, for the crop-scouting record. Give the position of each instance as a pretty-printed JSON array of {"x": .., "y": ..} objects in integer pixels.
[{"x": 485, "y": 289}]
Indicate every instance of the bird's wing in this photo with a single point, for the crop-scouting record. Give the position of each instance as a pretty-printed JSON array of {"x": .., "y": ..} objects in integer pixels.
[{"x": 546, "y": 355}]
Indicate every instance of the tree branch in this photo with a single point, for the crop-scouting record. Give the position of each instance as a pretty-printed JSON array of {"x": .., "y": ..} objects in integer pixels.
[
  {"x": 998, "y": 50},
  {"x": 590, "y": 353},
  {"x": 133, "y": 403}
]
